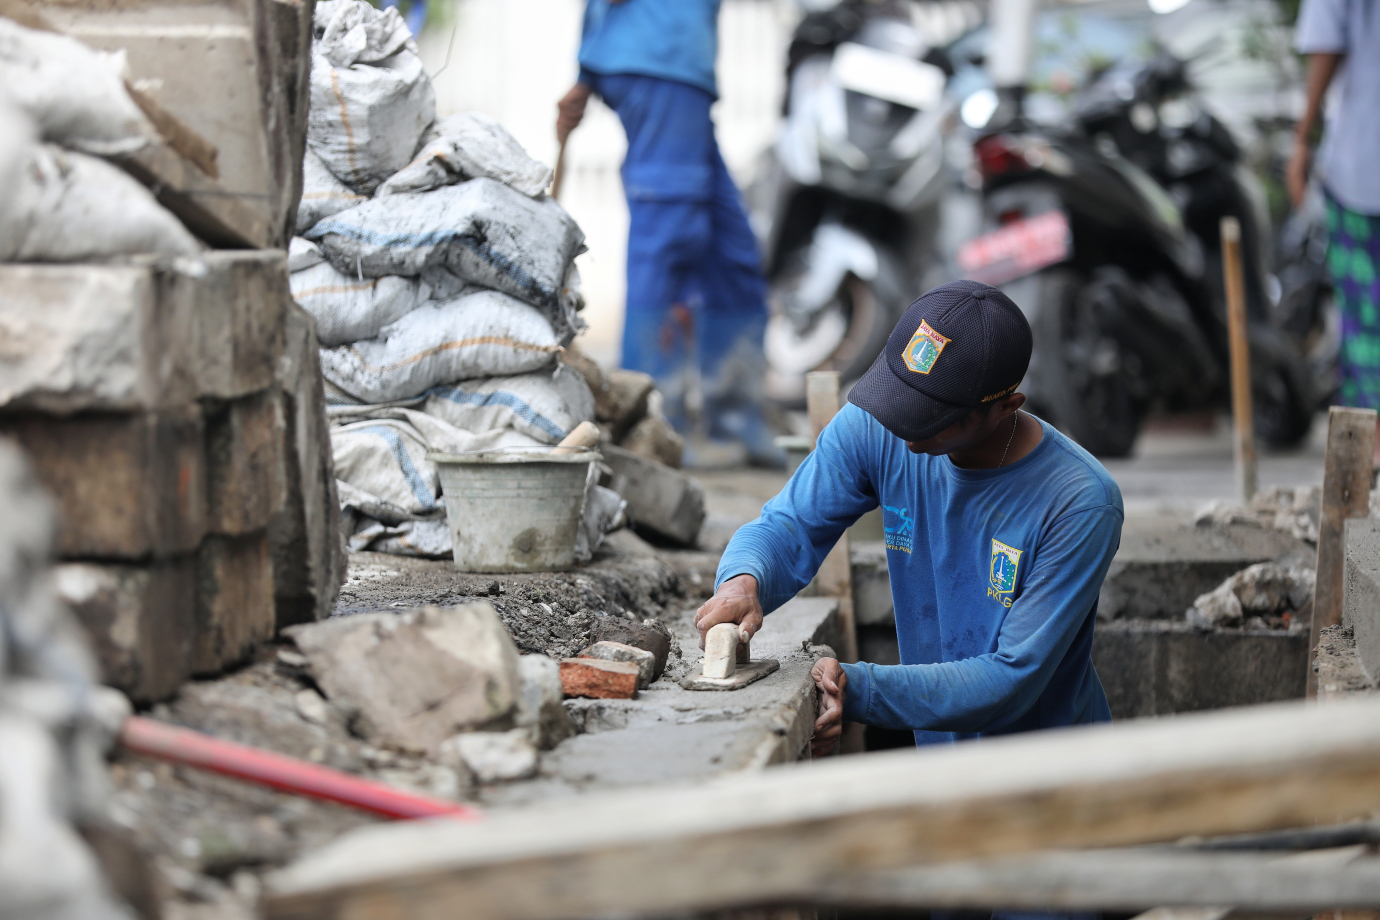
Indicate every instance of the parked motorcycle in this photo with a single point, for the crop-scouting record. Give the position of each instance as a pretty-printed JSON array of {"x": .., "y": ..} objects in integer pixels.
[
  {"x": 1107, "y": 232},
  {"x": 846, "y": 203}
]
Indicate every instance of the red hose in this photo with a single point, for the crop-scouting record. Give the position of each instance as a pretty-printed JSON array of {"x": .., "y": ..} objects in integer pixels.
[{"x": 288, "y": 774}]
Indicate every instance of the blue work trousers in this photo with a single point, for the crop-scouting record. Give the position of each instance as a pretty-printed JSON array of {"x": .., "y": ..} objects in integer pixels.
[{"x": 696, "y": 301}]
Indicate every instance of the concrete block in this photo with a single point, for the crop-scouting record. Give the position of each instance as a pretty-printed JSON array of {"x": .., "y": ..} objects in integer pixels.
[
  {"x": 872, "y": 603},
  {"x": 246, "y": 444},
  {"x": 416, "y": 678},
  {"x": 1151, "y": 668},
  {"x": 1361, "y": 591},
  {"x": 620, "y": 396},
  {"x": 654, "y": 439},
  {"x": 139, "y": 619},
  {"x": 539, "y": 707},
  {"x": 622, "y": 401},
  {"x": 1161, "y": 568},
  {"x": 638, "y": 635},
  {"x": 128, "y": 487},
  {"x": 618, "y": 651},
  {"x": 237, "y": 73},
  {"x": 93, "y": 337},
  {"x": 493, "y": 756},
  {"x": 309, "y": 555},
  {"x": 234, "y": 601},
  {"x": 241, "y": 304},
  {"x": 661, "y": 499},
  {"x": 598, "y": 679}
]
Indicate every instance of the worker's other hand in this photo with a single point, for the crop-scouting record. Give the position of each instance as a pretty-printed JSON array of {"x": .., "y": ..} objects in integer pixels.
[
  {"x": 832, "y": 682},
  {"x": 570, "y": 111},
  {"x": 735, "y": 602},
  {"x": 1296, "y": 173}
]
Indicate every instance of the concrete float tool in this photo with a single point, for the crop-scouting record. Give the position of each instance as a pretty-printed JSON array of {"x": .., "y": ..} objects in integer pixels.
[
  {"x": 286, "y": 774},
  {"x": 728, "y": 663}
]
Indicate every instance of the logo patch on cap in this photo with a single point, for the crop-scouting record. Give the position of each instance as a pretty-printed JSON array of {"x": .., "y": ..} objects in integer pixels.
[{"x": 923, "y": 349}]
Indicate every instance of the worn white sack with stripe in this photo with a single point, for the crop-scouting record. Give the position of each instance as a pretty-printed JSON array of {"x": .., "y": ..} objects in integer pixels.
[
  {"x": 545, "y": 406},
  {"x": 382, "y": 455},
  {"x": 322, "y": 193},
  {"x": 485, "y": 334},
  {"x": 468, "y": 146},
  {"x": 481, "y": 230},
  {"x": 75, "y": 95},
  {"x": 348, "y": 309},
  {"x": 370, "y": 98}
]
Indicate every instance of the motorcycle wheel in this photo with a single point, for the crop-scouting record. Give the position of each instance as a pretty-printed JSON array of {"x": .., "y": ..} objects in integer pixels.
[
  {"x": 1081, "y": 373},
  {"x": 1281, "y": 397},
  {"x": 866, "y": 313}
]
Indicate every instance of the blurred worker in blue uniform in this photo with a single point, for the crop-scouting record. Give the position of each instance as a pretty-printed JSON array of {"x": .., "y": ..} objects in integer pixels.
[{"x": 696, "y": 300}]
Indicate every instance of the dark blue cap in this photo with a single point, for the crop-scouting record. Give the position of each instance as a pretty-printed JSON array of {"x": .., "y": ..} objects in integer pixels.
[{"x": 956, "y": 349}]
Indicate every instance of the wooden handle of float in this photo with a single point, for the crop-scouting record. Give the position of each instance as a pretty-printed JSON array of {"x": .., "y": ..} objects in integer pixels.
[{"x": 581, "y": 437}]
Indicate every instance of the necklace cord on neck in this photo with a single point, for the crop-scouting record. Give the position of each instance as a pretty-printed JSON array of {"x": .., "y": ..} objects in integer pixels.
[{"x": 1015, "y": 423}]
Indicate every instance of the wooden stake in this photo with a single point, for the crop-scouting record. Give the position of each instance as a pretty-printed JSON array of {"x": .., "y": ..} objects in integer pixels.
[
  {"x": 1345, "y": 494},
  {"x": 559, "y": 172},
  {"x": 1241, "y": 411},
  {"x": 835, "y": 578}
]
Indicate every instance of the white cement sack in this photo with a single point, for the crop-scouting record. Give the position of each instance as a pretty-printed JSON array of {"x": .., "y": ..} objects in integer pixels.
[
  {"x": 322, "y": 193},
  {"x": 546, "y": 405},
  {"x": 382, "y": 455},
  {"x": 303, "y": 254},
  {"x": 69, "y": 207},
  {"x": 74, "y": 94},
  {"x": 481, "y": 230},
  {"x": 17, "y": 135},
  {"x": 487, "y": 334},
  {"x": 348, "y": 309},
  {"x": 370, "y": 98},
  {"x": 429, "y": 539},
  {"x": 470, "y": 145}
]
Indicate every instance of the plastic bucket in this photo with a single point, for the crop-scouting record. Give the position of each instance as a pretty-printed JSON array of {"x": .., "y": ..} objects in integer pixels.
[{"x": 513, "y": 511}]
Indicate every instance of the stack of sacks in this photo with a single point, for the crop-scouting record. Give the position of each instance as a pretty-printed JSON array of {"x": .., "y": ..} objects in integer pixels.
[
  {"x": 442, "y": 280},
  {"x": 63, "y": 107}
]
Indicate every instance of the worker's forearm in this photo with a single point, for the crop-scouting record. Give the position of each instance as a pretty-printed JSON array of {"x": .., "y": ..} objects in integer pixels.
[{"x": 1321, "y": 69}]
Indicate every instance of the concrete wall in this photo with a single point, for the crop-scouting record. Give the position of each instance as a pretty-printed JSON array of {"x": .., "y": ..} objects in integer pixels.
[{"x": 1361, "y": 591}]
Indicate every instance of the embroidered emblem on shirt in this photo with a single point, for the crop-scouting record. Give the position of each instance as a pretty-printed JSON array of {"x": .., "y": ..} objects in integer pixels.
[
  {"x": 902, "y": 533},
  {"x": 1005, "y": 561},
  {"x": 923, "y": 349}
]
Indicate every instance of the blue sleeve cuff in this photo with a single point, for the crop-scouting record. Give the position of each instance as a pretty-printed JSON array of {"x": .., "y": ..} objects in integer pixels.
[{"x": 857, "y": 696}]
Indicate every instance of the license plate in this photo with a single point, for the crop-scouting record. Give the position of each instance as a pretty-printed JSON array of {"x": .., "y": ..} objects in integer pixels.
[{"x": 1017, "y": 249}]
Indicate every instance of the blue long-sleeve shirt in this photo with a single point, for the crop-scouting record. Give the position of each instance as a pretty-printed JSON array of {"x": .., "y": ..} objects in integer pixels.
[
  {"x": 994, "y": 574},
  {"x": 671, "y": 39}
]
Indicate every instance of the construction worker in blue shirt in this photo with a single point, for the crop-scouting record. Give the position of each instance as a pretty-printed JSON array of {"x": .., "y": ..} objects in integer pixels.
[{"x": 696, "y": 297}]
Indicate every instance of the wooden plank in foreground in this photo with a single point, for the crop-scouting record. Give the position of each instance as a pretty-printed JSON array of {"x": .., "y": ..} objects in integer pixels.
[
  {"x": 1125, "y": 879},
  {"x": 774, "y": 836}
]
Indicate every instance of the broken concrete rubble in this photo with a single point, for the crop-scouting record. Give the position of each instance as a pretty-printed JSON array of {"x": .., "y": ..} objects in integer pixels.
[
  {"x": 539, "y": 708},
  {"x": 1264, "y": 590},
  {"x": 413, "y": 679},
  {"x": 493, "y": 756},
  {"x": 651, "y": 637},
  {"x": 660, "y": 499}
]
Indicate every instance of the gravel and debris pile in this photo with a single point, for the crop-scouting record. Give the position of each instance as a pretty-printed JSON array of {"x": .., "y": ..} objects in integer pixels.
[{"x": 548, "y": 613}]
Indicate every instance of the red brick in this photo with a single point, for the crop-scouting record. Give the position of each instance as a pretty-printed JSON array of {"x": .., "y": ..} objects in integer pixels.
[{"x": 616, "y": 680}]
